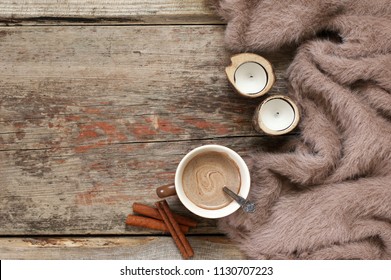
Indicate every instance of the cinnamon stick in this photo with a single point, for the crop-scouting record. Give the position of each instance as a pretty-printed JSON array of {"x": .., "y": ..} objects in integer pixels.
[
  {"x": 179, "y": 238},
  {"x": 154, "y": 213},
  {"x": 150, "y": 223}
]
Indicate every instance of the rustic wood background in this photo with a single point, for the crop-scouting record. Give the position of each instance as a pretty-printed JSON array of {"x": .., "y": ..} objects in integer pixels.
[{"x": 99, "y": 101}]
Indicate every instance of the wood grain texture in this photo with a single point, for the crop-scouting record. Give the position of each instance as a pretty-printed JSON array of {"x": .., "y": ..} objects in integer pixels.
[
  {"x": 93, "y": 119},
  {"x": 86, "y": 87},
  {"x": 62, "y": 192},
  {"x": 106, "y": 12},
  {"x": 134, "y": 248}
]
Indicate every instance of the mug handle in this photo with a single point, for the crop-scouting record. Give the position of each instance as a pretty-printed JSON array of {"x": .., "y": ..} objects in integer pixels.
[{"x": 166, "y": 191}]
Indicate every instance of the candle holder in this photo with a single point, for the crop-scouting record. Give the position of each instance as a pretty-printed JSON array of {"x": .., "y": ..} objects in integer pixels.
[
  {"x": 250, "y": 74},
  {"x": 276, "y": 115}
]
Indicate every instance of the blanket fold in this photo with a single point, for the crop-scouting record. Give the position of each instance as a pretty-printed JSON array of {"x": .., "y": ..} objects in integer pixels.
[{"x": 329, "y": 195}]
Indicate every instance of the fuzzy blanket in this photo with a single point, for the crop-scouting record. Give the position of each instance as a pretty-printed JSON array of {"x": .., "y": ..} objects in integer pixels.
[{"x": 328, "y": 194}]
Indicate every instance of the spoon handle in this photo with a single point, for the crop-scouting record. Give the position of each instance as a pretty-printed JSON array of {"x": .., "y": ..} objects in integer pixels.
[{"x": 248, "y": 207}]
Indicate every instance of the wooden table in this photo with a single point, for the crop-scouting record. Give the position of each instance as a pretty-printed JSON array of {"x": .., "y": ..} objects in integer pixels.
[{"x": 99, "y": 101}]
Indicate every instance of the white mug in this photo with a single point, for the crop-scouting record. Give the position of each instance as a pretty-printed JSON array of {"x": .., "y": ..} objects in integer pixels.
[{"x": 177, "y": 187}]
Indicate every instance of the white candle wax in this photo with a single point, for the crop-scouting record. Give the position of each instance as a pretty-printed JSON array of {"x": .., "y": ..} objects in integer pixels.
[
  {"x": 250, "y": 78},
  {"x": 276, "y": 114}
]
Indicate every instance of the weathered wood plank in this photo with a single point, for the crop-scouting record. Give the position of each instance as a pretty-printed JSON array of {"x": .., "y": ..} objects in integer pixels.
[
  {"x": 88, "y": 87},
  {"x": 65, "y": 192},
  {"x": 106, "y": 12},
  {"x": 134, "y": 248}
]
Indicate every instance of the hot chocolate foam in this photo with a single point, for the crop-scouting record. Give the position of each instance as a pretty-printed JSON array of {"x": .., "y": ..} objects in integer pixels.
[{"x": 205, "y": 176}]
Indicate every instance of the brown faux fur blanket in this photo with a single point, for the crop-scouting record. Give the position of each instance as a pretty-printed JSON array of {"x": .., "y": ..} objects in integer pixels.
[{"x": 329, "y": 195}]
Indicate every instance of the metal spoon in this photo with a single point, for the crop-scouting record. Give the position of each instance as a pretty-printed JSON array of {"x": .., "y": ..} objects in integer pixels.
[{"x": 248, "y": 207}]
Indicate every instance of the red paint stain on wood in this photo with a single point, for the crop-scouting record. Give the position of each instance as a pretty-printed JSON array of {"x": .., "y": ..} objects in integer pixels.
[
  {"x": 72, "y": 118},
  {"x": 87, "y": 197},
  {"x": 20, "y": 125},
  {"x": 90, "y": 110},
  {"x": 106, "y": 103},
  {"x": 98, "y": 166},
  {"x": 19, "y": 133},
  {"x": 153, "y": 125},
  {"x": 111, "y": 131},
  {"x": 222, "y": 130},
  {"x": 85, "y": 148},
  {"x": 203, "y": 124},
  {"x": 169, "y": 127},
  {"x": 141, "y": 130},
  {"x": 101, "y": 132},
  {"x": 88, "y": 134}
]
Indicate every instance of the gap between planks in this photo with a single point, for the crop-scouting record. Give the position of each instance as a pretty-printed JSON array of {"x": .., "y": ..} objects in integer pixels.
[
  {"x": 146, "y": 247},
  {"x": 37, "y": 22},
  {"x": 104, "y": 12}
]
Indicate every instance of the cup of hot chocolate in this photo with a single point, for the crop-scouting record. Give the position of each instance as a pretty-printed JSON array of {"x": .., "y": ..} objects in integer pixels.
[{"x": 201, "y": 176}]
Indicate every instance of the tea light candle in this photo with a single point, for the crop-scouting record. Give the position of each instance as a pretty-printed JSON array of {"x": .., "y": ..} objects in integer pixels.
[
  {"x": 276, "y": 115},
  {"x": 250, "y": 78},
  {"x": 250, "y": 74}
]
